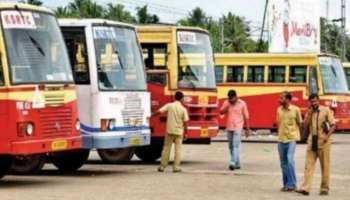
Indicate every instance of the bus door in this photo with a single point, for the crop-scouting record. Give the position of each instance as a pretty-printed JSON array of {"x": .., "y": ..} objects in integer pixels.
[
  {"x": 313, "y": 85},
  {"x": 77, "y": 50}
]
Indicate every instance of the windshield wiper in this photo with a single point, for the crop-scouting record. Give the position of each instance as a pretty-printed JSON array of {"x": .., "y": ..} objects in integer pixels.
[
  {"x": 119, "y": 59},
  {"x": 35, "y": 43},
  {"x": 193, "y": 84}
]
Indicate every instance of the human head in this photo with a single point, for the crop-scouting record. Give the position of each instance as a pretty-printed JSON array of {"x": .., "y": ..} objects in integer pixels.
[
  {"x": 179, "y": 96},
  {"x": 314, "y": 101},
  {"x": 232, "y": 96},
  {"x": 285, "y": 98}
]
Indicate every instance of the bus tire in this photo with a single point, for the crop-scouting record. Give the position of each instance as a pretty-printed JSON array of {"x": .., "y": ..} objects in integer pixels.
[
  {"x": 5, "y": 165},
  {"x": 115, "y": 156},
  {"x": 31, "y": 164},
  {"x": 150, "y": 153},
  {"x": 70, "y": 161}
]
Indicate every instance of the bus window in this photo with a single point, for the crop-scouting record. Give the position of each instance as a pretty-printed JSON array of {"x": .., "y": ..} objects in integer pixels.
[
  {"x": 157, "y": 78},
  {"x": 219, "y": 74},
  {"x": 234, "y": 73},
  {"x": 256, "y": 74},
  {"x": 347, "y": 74},
  {"x": 332, "y": 75},
  {"x": 277, "y": 74},
  {"x": 297, "y": 74},
  {"x": 313, "y": 81},
  {"x": 76, "y": 46},
  {"x": 155, "y": 56}
]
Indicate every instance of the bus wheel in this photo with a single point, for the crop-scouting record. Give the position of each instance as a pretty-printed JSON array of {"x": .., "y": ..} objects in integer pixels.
[
  {"x": 114, "y": 156},
  {"x": 150, "y": 153},
  {"x": 27, "y": 164},
  {"x": 70, "y": 161},
  {"x": 5, "y": 164}
]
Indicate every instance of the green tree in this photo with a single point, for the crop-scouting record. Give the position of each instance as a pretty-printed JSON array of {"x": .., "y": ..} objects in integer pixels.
[
  {"x": 64, "y": 12},
  {"x": 237, "y": 36},
  {"x": 118, "y": 13},
  {"x": 143, "y": 17},
  {"x": 85, "y": 8},
  {"x": 197, "y": 17},
  {"x": 35, "y": 2},
  {"x": 331, "y": 38}
]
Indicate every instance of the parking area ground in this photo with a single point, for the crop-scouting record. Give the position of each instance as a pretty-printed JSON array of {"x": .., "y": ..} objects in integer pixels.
[{"x": 205, "y": 176}]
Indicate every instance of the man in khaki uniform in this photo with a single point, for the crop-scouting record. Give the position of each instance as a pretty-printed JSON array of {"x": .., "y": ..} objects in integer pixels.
[
  {"x": 320, "y": 123},
  {"x": 176, "y": 118}
]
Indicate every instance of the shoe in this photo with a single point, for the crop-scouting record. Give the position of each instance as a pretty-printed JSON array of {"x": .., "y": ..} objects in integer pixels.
[
  {"x": 324, "y": 193},
  {"x": 239, "y": 167},
  {"x": 286, "y": 189},
  {"x": 160, "y": 169},
  {"x": 177, "y": 170},
  {"x": 231, "y": 167},
  {"x": 303, "y": 192}
]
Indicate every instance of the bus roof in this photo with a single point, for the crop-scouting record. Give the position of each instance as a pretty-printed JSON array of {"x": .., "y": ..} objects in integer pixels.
[
  {"x": 269, "y": 55},
  {"x": 22, "y": 6},
  {"x": 86, "y": 22},
  {"x": 168, "y": 27}
]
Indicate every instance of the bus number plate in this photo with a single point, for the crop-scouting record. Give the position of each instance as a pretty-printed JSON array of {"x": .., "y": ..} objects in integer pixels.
[
  {"x": 204, "y": 132},
  {"x": 134, "y": 141},
  {"x": 59, "y": 145}
]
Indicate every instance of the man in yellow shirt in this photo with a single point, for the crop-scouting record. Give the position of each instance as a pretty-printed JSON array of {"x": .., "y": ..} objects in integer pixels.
[
  {"x": 320, "y": 123},
  {"x": 288, "y": 122},
  {"x": 177, "y": 116}
]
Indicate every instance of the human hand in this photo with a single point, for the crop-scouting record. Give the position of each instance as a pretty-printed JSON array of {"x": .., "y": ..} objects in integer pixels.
[{"x": 248, "y": 132}]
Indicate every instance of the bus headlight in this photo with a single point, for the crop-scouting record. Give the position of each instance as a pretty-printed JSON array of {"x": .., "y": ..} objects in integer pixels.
[
  {"x": 30, "y": 129},
  {"x": 77, "y": 125}
]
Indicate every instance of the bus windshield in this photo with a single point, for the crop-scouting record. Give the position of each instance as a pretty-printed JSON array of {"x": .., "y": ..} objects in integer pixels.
[
  {"x": 196, "y": 63},
  {"x": 333, "y": 76},
  {"x": 118, "y": 57},
  {"x": 35, "y": 48}
]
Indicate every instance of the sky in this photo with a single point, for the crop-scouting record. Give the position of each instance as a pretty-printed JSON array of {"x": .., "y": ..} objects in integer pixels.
[{"x": 172, "y": 10}]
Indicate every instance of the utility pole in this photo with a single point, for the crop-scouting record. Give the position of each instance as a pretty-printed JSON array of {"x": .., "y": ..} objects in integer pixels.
[
  {"x": 326, "y": 29},
  {"x": 222, "y": 36},
  {"x": 260, "y": 44},
  {"x": 343, "y": 27},
  {"x": 327, "y": 10}
]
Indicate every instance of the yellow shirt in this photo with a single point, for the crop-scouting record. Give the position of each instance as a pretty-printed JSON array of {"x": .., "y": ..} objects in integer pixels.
[
  {"x": 325, "y": 115},
  {"x": 288, "y": 121},
  {"x": 176, "y": 117}
]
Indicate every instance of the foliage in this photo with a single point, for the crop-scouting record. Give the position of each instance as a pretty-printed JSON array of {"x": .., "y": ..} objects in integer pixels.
[{"x": 35, "y": 2}]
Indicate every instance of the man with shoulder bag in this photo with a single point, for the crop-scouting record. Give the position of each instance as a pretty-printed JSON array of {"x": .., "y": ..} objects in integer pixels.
[{"x": 320, "y": 122}]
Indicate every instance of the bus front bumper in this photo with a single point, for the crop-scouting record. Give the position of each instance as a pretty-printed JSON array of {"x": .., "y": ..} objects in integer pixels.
[
  {"x": 120, "y": 139},
  {"x": 201, "y": 132},
  {"x": 46, "y": 145}
]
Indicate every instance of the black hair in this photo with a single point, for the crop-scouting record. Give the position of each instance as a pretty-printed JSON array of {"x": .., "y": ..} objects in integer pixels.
[
  {"x": 231, "y": 94},
  {"x": 313, "y": 96},
  {"x": 179, "y": 96},
  {"x": 288, "y": 95}
]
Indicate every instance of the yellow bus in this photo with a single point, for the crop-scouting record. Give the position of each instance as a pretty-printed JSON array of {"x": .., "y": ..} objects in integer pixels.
[
  {"x": 259, "y": 79},
  {"x": 179, "y": 59}
]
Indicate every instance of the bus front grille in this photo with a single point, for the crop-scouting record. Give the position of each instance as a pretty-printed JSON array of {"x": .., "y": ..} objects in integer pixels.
[
  {"x": 56, "y": 121},
  {"x": 55, "y": 99}
]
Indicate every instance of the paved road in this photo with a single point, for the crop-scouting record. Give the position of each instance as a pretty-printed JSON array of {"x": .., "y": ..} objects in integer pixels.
[{"x": 205, "y": 177}]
